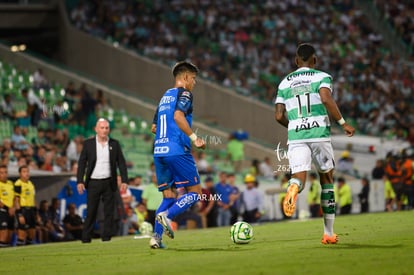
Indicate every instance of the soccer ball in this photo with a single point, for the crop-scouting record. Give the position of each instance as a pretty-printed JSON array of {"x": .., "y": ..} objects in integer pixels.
[
  {"x": 241, "y": 232},
  {"x": 145, "y": 229}
]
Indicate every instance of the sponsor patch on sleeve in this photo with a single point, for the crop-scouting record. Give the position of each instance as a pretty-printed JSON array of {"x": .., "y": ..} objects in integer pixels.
[{"x": 186, "y": 94}]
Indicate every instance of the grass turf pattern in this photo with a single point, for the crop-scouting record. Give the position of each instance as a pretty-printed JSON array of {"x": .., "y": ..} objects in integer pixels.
[{"x": 377, "y": 243}]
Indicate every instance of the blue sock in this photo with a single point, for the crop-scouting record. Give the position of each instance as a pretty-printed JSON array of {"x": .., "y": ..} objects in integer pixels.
[
  {"x": 182, "y": 204},
  {"x": 165, "y": 204}
]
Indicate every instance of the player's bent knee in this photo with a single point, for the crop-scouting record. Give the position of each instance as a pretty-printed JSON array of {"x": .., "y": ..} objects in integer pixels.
[
  {"x": 325, "y": 171},
  {"x": 168, "y": 193},
  {"x": 326, "y": 176},
  {"x": 194, "y": 188}
]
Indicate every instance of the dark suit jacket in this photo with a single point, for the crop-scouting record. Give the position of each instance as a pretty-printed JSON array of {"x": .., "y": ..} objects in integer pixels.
[{"x": 87, "y": 161}]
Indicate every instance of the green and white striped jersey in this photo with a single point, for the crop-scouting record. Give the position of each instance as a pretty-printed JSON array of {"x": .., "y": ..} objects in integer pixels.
[{"x": 308, "y": 117}]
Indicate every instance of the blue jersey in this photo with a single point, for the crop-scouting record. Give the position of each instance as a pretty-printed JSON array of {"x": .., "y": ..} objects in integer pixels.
[
  {"x": 170, "y": 140},
  {"x": 224, "y": 190}
]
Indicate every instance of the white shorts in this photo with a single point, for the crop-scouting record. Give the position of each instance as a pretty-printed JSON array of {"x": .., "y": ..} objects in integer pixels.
[{"x": 301, "y": 155}]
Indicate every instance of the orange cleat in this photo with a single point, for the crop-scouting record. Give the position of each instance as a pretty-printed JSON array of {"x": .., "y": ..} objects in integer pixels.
[
  {"x": 329, "y": 239},
  {"x": 289, "y": 203}
]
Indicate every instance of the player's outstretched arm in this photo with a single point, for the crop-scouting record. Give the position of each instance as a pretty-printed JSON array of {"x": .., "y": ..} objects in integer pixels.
[
  {"x": 280, "y": 114},
  {"x": 333, "y": 110},
  {"x": 179, "y": 118}
]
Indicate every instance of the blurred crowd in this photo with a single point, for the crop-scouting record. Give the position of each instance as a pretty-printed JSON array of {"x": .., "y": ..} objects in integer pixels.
[
  {"x": 60, "y": 125},
  {"x": 400, "y": 15},
  {"x": 248, "y": 46}
]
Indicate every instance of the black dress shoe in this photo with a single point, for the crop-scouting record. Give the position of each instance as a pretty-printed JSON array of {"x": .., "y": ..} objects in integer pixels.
[
  {"x": 106, "y": 239},
  {"x": 86, "y": 241}
]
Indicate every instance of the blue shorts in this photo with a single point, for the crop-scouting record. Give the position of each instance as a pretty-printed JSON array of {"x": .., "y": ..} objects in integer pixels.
[{"x": 176, "y": 171}]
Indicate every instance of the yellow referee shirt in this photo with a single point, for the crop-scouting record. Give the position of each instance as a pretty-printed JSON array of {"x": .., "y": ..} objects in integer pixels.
[
  {"x": 7, "y": 193},
  {"x": 26, "y": 192}
]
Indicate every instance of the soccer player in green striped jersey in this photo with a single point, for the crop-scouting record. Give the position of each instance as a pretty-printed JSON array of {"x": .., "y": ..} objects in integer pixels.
[{"x": 303, "y": 105}]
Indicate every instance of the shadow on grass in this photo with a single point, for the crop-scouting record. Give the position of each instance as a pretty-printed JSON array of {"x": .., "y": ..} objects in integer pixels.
[
  {"x": 363, "y": 245},
  {"x": 213, "y": 249}
]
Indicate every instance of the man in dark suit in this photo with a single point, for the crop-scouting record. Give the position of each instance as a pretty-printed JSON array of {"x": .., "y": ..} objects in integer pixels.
[{"x": 97, "y": 173}]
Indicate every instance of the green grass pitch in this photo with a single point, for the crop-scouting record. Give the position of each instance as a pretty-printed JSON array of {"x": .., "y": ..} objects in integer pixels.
[{"x": 378, "y": 243}]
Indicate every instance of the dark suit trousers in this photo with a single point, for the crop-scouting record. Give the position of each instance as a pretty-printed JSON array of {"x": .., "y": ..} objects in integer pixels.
[{"x": 96, "y": 190}]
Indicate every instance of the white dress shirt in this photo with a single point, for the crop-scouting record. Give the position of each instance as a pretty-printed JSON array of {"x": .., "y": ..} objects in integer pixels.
[{"x": 102, "y": 168}]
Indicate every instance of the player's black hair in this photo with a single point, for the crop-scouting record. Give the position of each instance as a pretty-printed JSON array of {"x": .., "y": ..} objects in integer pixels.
[
  {"x": 305, "y": 51},
  {"x": 184, "y": 66},
  {"x": 23, "y": 167}
]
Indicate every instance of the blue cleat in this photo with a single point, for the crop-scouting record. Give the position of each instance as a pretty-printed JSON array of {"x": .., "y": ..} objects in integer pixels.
[{"x": 166, "y": 223}]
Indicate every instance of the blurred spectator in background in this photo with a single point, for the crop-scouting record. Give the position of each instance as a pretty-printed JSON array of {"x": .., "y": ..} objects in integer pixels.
[
  {"x": 254, "y": 168},
  {"x": 346, "y": 164},
  {"x": 47, "y": 162},
  {"x": 18, "y": 140},
  {"x": 7, "y": 107},
  {"x": 407, "y": 166},
  {"x": 410, "y": 136},
  {"x": 211, "y": 209},
  {"x": 60, "y": 164},
  {"x": 203, "y": 166},
  {"x": 314, "y": 196},
  {"x": 141, "y": 215},
  {"x": 102, "y": 103},
  {"x": 54, "y": 213},
  {"x": 235, "y": 151},
  {"x": 207, "y": 204},
  {"x": 265, "y": 169},
  {"x": 234, "y": 198},
  {"x": 241, "y": 54},
  {"x": 151, "y": 199},
  {"x": 40, "y": 81},
  {"x": 150, "y": 172},
  {"x": 74, "y": 148},
  {"x": 136, "y": 187},
  {"x": 393, "y": 172},
  {"x": 60, "y": 140},
  {"x": 364, "y": 195},
  {"x": 389, "y": 196},
  {"x": 46, "y": 230},
  {"x": 73, "y": 223},
  {"x": 344, "y": 197},
  {"x": 223, "y": 190},
  {"x": 251, "y": 200},
  {"x": 378, "y": 171},
  {"x": 34, "y": 107},
  {"x": 125, "y": 193},
  {"x": 71, "y": 96}
]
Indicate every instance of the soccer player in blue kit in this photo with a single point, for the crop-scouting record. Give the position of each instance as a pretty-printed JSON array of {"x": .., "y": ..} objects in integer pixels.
[{"x": 174, "y": 165}]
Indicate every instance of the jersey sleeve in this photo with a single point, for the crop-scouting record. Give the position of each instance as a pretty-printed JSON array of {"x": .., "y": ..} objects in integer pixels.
[
  {"x": 279, "y": 98},
  {"x": 184, "y": 101},
  {"x": 326, "y": 82}
]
